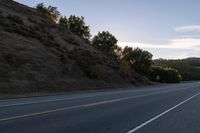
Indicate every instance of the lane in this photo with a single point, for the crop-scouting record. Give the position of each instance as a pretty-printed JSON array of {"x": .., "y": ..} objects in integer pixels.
[
  {"x": 39, "y": 108},
  {"x": 161, "y": 114},
  {"x": 185, "y": 119},
  {"x": 112, "y": 117}
]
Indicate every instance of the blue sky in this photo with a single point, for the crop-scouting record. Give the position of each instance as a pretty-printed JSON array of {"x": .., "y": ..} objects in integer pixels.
[{"x": 167, "y": 28}]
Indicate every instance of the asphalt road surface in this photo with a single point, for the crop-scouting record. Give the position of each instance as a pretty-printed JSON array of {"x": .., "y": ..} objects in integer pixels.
[{"x": 171, "y": 108}]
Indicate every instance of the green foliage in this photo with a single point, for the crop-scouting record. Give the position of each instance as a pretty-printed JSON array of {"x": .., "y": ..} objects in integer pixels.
[
  {"x": 189, "y": 68},
  {"x": 64, "y": 22},
  {"x": 105, "y": 42},
  {"x": 166, "y": 75},
  {"x": 76, "y": 25},
  {"x": 50, "y": 11},
  {"x": 140, "y": 60}
]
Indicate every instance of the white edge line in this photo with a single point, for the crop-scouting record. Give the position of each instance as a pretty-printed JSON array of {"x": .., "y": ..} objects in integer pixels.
[{"x": 163, "y": 113}]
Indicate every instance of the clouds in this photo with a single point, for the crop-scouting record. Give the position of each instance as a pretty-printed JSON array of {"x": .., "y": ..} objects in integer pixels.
[
  {"x": 175, "y": 48},
  {"x": 178, "y": 43},
  {"x": 188, "y": 28},
  {"x": 185, "y": 43},
  {"x": 188, "y": 45}
]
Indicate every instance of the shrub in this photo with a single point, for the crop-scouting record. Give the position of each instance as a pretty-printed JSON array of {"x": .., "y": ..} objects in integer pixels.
[
  {"x": 14, "y": 60},
  {"x": 125, "y": 69},
  {"x": 14, "y": 28},
  {"x": 72, "y": 41},
  {"x": 50, "y": 11},
  {"x": 2, "y": 21},
  {"x": 32, "y": 20},
  {"x": 165, "y": 74},
  {"x": 16, "y": 86},
  {"x": 87, "y": 63},
  {"x": 15, "y": 18}
]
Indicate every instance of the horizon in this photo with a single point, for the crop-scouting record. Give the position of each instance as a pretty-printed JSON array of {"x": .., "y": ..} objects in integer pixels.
[{"x": 167, "y": 29}]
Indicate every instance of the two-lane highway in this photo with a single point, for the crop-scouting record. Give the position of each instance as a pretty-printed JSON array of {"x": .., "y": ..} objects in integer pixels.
[{"x": 161, "y": 109}]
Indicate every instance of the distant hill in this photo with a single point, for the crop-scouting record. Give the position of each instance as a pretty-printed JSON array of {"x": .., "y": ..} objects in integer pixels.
[
  {"x": 39, "y": 55},
  {"x": 189, "y": 68}
]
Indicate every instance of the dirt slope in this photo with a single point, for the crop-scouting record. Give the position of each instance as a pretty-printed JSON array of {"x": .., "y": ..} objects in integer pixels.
[{"x": 38, "y": 55}]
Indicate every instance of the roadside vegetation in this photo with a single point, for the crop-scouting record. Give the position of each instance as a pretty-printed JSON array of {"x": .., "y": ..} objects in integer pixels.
[
  {"x": 165, "y": 75},
  {"x": 189, "y": 68},
  {"x": 129, "y": 59}
]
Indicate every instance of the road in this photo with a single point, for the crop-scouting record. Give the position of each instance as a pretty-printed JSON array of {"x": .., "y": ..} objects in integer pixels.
[{"x": 171, "y": 108}]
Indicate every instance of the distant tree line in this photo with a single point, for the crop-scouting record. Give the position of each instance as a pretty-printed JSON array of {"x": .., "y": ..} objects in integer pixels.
[
  {"x": 130, "y": 60},
  {"x": 189, "y": 68}
]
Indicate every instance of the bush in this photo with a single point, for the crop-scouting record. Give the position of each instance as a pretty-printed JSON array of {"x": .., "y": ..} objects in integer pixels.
[
  {"x": 32, "y": 20},
  {"x": 50, "y": 11},
  {"x": 125, "y": 69},
  {"x": 87, "y": 63},
  {"x": 165, "y": 75},
  {"x": 2, "y": 21},
  {"x": 14, "y": 28},
  {"x": 14, "y": 60},
  {"x": 72, "y": 41},
  {"x": 15, "y": 18}
]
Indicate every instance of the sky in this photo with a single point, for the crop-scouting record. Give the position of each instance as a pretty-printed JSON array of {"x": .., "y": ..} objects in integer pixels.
[{"x": 168, "y": 29}]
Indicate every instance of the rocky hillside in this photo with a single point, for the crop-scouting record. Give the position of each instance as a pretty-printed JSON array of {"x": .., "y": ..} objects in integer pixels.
[{"x": 37, "y": 55}]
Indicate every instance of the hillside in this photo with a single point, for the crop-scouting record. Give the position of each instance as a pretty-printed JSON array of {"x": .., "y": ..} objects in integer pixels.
[
  {"x": 189, "y": 68},
  {"x": 38, "y": 55}
]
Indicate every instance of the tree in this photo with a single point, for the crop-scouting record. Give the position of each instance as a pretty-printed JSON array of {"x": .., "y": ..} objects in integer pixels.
[
  {"x": 50, "y": 11},
  {"x": 140, "y": 60},
  {"x": 76, "y": 25},
  {"x": 41, "y": 7},
  {"x": 105, "y": 42},
  {"x": 53, "y": 13},
  {"x": 64, "y": 21}
]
